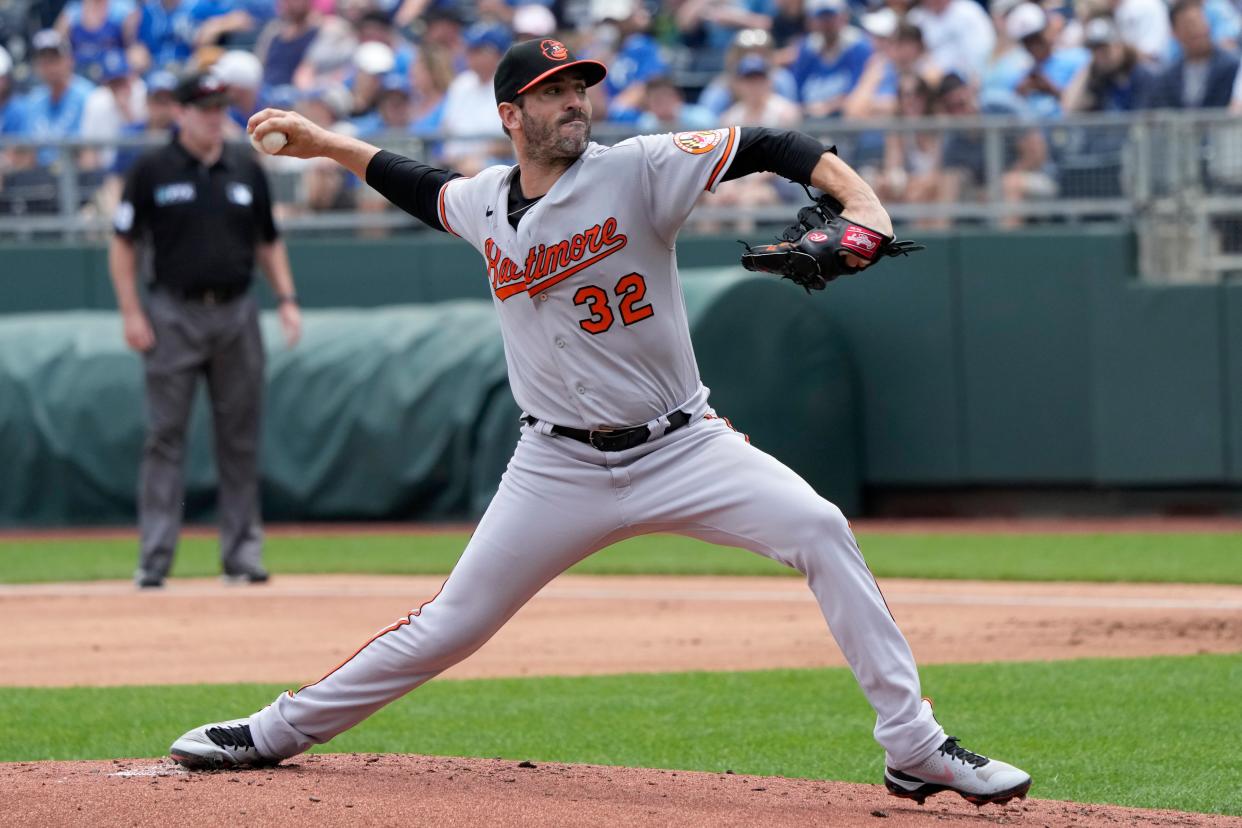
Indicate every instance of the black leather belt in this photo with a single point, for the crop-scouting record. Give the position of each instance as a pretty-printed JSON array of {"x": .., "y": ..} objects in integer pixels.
[
  {"x": 206, "y": 296},
  {"x": 617, "y": 440}
]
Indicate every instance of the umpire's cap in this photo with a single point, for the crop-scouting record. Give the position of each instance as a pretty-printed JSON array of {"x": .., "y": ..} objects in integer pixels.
[
  {"x": 200, "y": 89},
  {"x": 532, "y": 61}
]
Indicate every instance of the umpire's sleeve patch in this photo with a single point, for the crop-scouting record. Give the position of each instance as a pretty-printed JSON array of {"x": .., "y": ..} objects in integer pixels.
[{"x": 123, "y": 218}]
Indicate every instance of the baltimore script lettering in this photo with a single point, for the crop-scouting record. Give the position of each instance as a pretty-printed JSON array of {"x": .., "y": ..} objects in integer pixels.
[{"x": 547, "y": 264}]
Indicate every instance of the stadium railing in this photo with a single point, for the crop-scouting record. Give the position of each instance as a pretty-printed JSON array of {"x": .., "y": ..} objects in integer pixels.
[{"x": 1175, "y": 176}]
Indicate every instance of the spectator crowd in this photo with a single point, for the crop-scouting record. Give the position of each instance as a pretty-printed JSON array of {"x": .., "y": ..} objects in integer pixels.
[{"x": 102, "y": 70}]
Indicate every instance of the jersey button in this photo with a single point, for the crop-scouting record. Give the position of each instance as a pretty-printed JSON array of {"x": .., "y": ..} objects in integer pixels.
[
  {"x": 560, "y": 343},
  {"x": 543, "y": 297},
  {"x": 581, "y": 390}
]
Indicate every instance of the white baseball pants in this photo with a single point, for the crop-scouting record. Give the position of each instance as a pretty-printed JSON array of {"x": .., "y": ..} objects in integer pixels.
[{"x": 559, "y": 501}]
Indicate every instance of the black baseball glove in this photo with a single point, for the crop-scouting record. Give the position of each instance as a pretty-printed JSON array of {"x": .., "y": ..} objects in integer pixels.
[{"x": 812, "y": 251}]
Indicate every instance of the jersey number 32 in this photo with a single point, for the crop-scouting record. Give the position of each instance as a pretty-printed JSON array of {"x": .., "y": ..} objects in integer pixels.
[{"x": 629, "y": 291}]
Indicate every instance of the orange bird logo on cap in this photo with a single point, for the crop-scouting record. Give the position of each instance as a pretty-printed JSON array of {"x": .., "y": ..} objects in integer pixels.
[{"x": 554, "y": 50}]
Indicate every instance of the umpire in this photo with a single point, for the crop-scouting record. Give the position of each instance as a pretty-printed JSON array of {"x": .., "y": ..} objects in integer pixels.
[{"x": 204, "y": 211}]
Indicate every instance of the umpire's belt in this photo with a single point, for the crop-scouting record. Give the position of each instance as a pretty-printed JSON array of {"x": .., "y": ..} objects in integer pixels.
[
  {"x": 614, "y": 440},
  {"x": 219, "y": 295}
]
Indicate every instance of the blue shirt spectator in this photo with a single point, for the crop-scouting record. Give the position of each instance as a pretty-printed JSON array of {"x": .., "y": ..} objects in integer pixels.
[
  {"x": 45, "y": 113},
  {"x": 8, "y": 99},
  {"x": 207, "y": 9},
  {"x": 1054, "y": 73},
  {"x": 284, "y": 41},
  {"x": 392, "y": 111},
  {"x": 887, "y": 88},
  {"x": 1051, "y": 70},
  {"x": 53, "y": 109},
  {"x": 1007, "y": 69},
  {"x": 830, "y": 59},
  {"x": 429, "y": 123},
  {"x": 637, "y": 61},
  {"x": 369, "y": 124},
  {"x": 105, "y": 32},
  {"x": 166, "y": 29},
  {"x": 284, "y": 55},
  {"x": 1111, "y": 82},
  {"x": 11, "y": 116},
  {"x": 619, "y": 38}
]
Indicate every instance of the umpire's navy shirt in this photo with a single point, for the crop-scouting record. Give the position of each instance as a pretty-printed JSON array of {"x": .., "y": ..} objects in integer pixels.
[{"x": 202, "y": 222}]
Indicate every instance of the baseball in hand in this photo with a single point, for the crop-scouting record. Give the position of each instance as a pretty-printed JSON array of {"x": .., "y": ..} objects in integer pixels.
[{"x": 271, "y": 143}]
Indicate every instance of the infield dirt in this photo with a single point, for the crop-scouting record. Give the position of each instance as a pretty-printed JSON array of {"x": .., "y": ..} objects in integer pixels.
[
  {"x": 357, "y": 789},
  {"x": 300, "y": 626}
]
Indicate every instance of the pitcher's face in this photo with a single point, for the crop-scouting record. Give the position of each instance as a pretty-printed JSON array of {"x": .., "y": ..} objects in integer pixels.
[{"x": 556, "y": 117}]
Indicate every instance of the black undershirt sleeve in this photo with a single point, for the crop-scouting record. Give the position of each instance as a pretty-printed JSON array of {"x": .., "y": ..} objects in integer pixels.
[
  {"x": 411, "y": 185},
  {"x": 785, "y": 152},
  {"x": 415, "y": 187}
]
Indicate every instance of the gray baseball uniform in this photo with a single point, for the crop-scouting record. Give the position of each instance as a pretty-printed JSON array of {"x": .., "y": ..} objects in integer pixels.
[{"x": 596, "y": 338}]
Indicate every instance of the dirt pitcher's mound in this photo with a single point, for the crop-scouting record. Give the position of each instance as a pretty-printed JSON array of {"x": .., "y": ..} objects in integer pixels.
[{"x": 416, "y": 790}]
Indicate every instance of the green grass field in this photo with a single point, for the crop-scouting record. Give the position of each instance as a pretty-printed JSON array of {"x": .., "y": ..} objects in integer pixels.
[
  {"x": 1157, "y": 732},
  {"x": 1206, "y": 558}
]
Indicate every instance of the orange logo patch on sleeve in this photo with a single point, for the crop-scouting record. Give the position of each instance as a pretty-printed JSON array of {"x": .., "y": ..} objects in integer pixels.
[
  {"x": 697, "y": 143},
  {"x": 554, "y": 50}
]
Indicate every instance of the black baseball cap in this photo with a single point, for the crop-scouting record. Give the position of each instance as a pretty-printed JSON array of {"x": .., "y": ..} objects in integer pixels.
[
  {"x": 200, "y": 89},
  {"x": 533, "y": 61}
]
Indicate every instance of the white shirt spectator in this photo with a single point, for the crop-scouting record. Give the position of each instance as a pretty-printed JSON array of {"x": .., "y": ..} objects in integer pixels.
[
  {"x": 470, "y": 110},
  {"x": 959, "y": 37},
  {"x": 105, "y": 118},
  {"x": 1144, "y": 24}
]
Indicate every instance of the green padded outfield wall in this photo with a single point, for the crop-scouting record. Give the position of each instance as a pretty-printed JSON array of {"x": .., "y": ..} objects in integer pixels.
[
  {"x": 401, "y": 412},
  {"x": 1231, "y": 355},
  {"x": 1024, "y": 358}
]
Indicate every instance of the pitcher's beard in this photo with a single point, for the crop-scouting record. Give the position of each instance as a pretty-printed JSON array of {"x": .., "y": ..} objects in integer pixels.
[{"x": 545, "y": 146}]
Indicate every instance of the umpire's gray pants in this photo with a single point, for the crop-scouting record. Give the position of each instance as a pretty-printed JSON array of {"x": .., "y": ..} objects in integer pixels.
[{"x": 223, "y": 344}]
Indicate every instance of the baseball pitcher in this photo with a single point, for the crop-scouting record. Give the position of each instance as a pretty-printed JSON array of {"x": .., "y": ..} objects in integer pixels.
[{"x": 618, "y": 438}]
